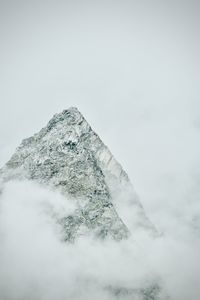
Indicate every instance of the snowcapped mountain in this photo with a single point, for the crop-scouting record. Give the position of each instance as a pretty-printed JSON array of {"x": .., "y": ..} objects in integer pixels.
[{"x": 67, "y": 155}]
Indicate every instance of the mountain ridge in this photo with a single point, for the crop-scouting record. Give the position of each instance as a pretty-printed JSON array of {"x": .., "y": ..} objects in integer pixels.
[{"x": 67, "y": 155}]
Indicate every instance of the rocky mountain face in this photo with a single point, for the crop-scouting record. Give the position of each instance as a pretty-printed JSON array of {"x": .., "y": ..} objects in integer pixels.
[{"x": 67, "y": 155}]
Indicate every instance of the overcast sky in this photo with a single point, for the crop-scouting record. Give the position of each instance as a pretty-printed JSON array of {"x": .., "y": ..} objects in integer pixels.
[{"x": 132, "y": 69}]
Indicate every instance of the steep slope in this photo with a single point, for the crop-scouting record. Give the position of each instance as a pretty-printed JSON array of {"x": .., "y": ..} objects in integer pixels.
[{"x": 68, "y": 155}]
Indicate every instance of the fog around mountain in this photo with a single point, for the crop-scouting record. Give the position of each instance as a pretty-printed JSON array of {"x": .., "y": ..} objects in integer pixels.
[
  {"x": 35, "y": 264},
  {"x": 158, "y": 261},
  {"x": 132, "y": 69}
]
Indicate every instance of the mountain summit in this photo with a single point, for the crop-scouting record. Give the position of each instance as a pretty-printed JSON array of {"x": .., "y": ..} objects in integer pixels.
[{"x": 67, "y": 155}]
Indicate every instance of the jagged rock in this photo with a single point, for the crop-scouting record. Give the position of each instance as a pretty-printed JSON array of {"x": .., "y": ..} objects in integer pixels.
[
  {"x": 151, "y": 292},
  {"x": 68, "y": 155}
]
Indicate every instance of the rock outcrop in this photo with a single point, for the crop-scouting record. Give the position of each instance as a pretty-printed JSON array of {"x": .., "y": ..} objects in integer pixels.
[{"x": 67, "y": 155}]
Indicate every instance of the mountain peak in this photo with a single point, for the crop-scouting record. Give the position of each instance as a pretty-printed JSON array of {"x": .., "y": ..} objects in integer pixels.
[{"x": 68, "y": 156}]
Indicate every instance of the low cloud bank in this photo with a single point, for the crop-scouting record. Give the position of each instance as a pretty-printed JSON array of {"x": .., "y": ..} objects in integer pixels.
[{"x": 36, "y": 264}]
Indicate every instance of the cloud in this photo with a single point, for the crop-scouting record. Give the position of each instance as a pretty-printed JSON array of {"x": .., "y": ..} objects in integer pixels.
[
  {"x": 36, "y": 264},
  {"x": 132, "y": 69}
]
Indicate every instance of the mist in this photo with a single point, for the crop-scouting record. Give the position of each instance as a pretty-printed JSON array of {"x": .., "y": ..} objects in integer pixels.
[
  {"x": 132, "y": 69},
  {"x": 37, "y": 264}
]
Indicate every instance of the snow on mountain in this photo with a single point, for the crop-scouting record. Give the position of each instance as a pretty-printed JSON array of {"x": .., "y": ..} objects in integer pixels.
[{"x": 67, "y": 155}]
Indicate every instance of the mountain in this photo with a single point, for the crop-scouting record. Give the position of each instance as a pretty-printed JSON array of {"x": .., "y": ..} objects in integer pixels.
[{"x": 67, "y": 155}]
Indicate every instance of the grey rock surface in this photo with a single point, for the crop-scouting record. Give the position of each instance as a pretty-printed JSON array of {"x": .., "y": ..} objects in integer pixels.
[{"x": 67, "y": 155}]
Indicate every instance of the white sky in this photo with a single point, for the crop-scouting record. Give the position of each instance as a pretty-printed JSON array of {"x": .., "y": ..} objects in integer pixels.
[{"x": 132, "y": 69}]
